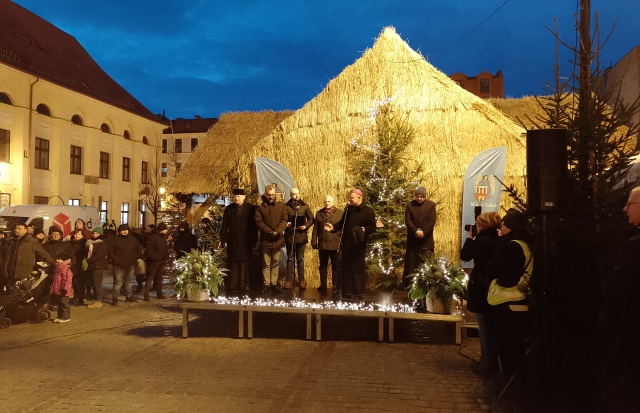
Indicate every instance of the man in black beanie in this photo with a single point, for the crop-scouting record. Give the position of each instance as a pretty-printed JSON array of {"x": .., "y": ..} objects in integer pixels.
[{"x": 420, "y": 219}]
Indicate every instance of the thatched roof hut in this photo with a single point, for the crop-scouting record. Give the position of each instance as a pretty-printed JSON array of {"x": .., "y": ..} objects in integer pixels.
[{"x": 452, "y": 126}]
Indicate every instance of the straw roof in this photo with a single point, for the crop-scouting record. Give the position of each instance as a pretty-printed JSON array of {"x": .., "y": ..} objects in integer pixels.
[{"x": 232, "y": 135}]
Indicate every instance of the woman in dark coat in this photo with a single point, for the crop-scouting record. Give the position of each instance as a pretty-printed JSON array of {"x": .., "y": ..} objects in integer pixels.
[
  {"x": 78, "y": 245},
  {"x": 357, "y": 223},
  {"x": 480, "y": 249}
]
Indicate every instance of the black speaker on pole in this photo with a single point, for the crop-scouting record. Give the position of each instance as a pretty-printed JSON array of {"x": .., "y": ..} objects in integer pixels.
[{"x": 546, "y": 170}]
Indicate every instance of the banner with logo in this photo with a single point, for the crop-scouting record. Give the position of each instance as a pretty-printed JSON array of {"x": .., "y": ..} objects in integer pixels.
[
  {"x": 481, "y": 188},
  {"x": 269, "y": 171}
]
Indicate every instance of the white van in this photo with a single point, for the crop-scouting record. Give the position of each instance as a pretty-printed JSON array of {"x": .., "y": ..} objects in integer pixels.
[{"x": 43, "y": 216}]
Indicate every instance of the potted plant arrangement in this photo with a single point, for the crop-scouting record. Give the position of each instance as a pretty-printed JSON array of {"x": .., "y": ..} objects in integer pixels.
[
  {"x": 436, "y": 281},
  {"x": 199, "y": 273}
]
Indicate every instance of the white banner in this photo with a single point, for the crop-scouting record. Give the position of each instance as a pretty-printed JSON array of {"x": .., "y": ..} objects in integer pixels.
[{"x": 269, "y": 171}]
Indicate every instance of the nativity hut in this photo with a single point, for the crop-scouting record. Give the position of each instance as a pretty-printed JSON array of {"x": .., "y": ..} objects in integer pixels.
[{"x": 452, "y": 126}]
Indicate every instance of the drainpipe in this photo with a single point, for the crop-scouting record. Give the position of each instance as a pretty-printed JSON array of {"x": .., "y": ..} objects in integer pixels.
[{"x": 28, "y": 162}]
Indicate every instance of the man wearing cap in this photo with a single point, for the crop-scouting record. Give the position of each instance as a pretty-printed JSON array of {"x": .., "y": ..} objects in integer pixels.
[
  {"x": 271, "y": 219},
  {"x": 356, "y": 224},
  {"x": 300, "y": 219},
  {"x": 97, "y": 264},
  {"x": 124, "y": 251},
  {"x": 508, "y": 266},
  {"x": 157, "y": 252},
  {"x": 238, "y": 235},
  {"x": 420, "y": 219}
]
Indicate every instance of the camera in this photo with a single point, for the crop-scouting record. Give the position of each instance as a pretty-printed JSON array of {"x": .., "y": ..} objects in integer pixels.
[{"x": 477, "y": 210}]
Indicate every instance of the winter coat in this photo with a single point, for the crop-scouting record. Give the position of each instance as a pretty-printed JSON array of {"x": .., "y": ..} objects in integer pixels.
[
  {"x": 184, "y": 242},
  {"x": 297, "y": 211},
  {"x": 420, "y": 216},
  {"x": 354, "y": 241},
  {"x": 22, "y": 255},
  {"x": 508, "y": 264},
  {"x": 480, "y": 249},
  {"x": 79, "y": 254},
  {"x": 239, "y": 232},
  {"x": 98, "y": 258},
  {"x": 124, "y": 251},
  {"x": 320, "y": 237},
  {"x": 271, "y": 218},
  {"x": 156, "y": 247},
  {"x": 62, "y": 278},
  {"x": 56, "y": 247}
]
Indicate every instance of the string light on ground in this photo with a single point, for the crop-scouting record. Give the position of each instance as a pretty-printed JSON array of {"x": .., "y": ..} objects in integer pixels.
[{"x": 326, "y": 305}]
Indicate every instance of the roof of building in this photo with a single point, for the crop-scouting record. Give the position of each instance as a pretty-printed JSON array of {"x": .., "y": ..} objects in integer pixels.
[
  {"x": 196, "y": 125},
  {"x": 35, "y": 46}
]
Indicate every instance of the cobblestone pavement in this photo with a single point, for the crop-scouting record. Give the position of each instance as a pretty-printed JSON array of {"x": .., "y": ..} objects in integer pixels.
[{"x": 131, "y": 358}]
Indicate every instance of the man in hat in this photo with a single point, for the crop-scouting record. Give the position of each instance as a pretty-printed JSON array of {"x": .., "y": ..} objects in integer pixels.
[
  {"x": 508, "y": 266},
  {"x": 356, "y": 224},
  {"x": 124, "y": 251},
  {"x": 157, "y": 252},
  {"x": 300, "y": 219},
  {"x": 238, "y": 235},
  {"x": 420, "y": 219},
  {"x": 271, "y": 219}
]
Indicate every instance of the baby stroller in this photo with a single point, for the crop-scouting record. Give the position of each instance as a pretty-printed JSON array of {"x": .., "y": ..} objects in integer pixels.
[{"x": 19, "y": 305}]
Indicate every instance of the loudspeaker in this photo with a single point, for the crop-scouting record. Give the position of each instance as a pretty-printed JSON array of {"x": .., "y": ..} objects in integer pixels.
[{"x": 546, "y": 170}]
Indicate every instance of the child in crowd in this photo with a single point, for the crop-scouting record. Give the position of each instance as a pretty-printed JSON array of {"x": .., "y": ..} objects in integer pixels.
[{"x": 61, "y": 288}]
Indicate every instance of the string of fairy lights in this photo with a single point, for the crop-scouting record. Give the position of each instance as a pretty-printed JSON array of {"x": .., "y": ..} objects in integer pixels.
[{"x": 307, "y": 304}]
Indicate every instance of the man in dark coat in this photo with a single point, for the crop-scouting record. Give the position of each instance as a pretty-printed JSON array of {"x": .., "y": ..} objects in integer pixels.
[
  {"x": 621, "y": 313},
  {"x": 357, "y": 223},
  {"x": 157, "y": 253},
  {"x": 185, "y": 240},
  {"x": 327, "y": 243},
  {"x": 300, "y": 219},
  {"x": 238, "y": 235},
  {"x": 21, "y": 254},
  {"x": 124, "y": 251},
  {"x": 420, "y": 219},
  {"x": 271, "y": 219}
]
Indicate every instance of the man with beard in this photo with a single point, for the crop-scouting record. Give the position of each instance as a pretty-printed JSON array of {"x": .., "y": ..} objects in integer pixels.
[
  {"x": 357, "y": 223},
  {"x": 238, "y": 235},
  {"x": 300, "y": 219},
  {"x": 271, "y": 219},
  {"x": 420, "y": 218}
]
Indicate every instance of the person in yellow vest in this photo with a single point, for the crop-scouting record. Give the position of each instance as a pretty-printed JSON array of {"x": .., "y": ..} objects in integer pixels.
[{"x": 511, "y": 268}]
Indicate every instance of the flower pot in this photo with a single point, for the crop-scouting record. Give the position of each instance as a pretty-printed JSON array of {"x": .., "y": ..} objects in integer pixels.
[
  {"x": 435, "y": 306},
  {"x": 195, "y": 293}
]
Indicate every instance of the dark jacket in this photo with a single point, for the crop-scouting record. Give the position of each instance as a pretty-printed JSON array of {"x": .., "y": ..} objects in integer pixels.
[
  {"x": 185, "y": 242},
  {"x": 124, "y": 251},
  {"x": 239, "y": 232},
  {"x": 56, "y": 247},
  {"x": 321, "y": 238},
  {"x": 480, "y": 249},
  {"x": 508, "y": 264},
  {"x": 354, "y": 240},
  {"x": 271, "y": 220},
  {"x": 296, "y": 212},
  {"x": 420, "y": 216},
  {"x": 98, "y": 259},
  {"x": 79, "y": 254},
  {"x": 156, "y": 246},
  {"x": 22, "y": 255}
]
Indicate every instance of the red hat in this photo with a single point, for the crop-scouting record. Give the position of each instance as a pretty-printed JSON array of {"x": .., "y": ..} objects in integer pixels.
[{"x": 357, "y": 191}]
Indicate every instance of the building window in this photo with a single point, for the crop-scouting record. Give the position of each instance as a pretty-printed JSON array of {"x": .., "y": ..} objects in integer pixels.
[
  {"x": 104, "y": 165},
  {"x": 143, "y": 209},
  {"x": 126, "y": 169},
  {"x": 43, "y": 109},
  {"x": 485, "y": 86},
  {"x": 127, "y": 135},
  {"x": 104, "y": 211},
  {"x": 4, "y": 98},
  {"x": 164, "y": 170},
  {"x": 42, "y": 200},
  {"x": 165, "y": 145},
  {"x": 194, "y": 144},
  {"x": 42, "y": 154},
  {"x": 76, "y": 160},
  {"x": 74, "y": 202},
  {"x": 5, "y": 145},
  {"x": 145, "y": 172},
  {"x": 178, "y": 145},
  {"x": 178, "y": 167},
  {"x": 77, "y": 120},
  {"x": 124, "y": 213},
  {"x": 145, "y": 140},
  {"x": 105, "y": 128}
]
